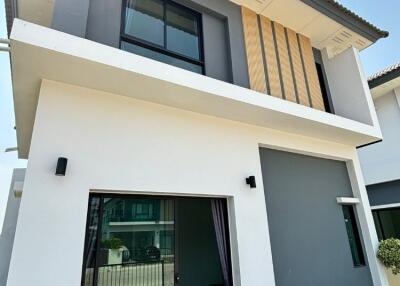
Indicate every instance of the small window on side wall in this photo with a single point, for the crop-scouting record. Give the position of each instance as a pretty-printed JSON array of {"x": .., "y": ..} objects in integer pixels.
[
  {"x": 324, "y": 89},
  {"x": 323, "y": 82},
  {"x": 353, "y": 235},
  {"x": 164, "y": 31}
]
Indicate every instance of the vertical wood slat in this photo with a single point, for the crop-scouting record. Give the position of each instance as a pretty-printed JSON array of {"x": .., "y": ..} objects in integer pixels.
[
  {"x": 255, "y": 62},
  {"x": 270, "y": 58},
  {"x": 311, "y": 73},
  {"x": 286, "y": 69},
  {"x": 298, "y": 71}
]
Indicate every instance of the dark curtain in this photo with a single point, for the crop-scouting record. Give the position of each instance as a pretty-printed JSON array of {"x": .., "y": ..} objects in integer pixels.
[
  {"x": 90, "y": 241},
  {"x": 219, "y": 213}
]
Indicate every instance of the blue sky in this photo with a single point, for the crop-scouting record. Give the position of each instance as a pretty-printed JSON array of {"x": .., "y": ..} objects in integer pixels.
[{"x": 385, "y": 52}]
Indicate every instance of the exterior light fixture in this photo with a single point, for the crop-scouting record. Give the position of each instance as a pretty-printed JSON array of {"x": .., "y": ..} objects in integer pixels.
[
  {"x": 61, "y": 166},
  {"x": 251, "y": 181}
]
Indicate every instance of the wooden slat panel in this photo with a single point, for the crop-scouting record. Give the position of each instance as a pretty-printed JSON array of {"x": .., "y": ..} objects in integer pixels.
[
  {"x": 311, "y": 73},
  {"x": 298, "y": 71},
  {"x": 286, "y": 69},
  {"x": 270, "y": 58},
  {"x": 253, "y": 50}
]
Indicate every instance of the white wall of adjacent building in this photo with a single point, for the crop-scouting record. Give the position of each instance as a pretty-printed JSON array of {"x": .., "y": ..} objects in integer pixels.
[
  {"x": 9, "y": 224},
  {"x": 120, "y": 144},
  {"x": 381, "y": 161}
]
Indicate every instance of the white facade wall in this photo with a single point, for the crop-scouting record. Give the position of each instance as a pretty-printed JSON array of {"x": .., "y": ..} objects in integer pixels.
[
  {"x": 381, "y": 161},
  {"x": 350, "y": 94},
  {"x": 120, "y": 144}
]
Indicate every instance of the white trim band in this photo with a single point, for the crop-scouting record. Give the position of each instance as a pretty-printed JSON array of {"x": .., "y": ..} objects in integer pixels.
[
  {"x": 388, "y": 206},
  {"x": 347, "y": 201}
]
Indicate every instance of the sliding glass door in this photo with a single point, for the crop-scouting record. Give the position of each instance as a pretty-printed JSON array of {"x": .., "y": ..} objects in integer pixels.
[
  {"x": 130, "y": 241},
  {"x": 153, "y": 241}
]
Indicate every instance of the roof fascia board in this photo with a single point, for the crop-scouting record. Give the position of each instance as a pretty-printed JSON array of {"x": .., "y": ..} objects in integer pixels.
[
  {"x": 339, "y": 15},
  {"x": 384, "y": 78}
]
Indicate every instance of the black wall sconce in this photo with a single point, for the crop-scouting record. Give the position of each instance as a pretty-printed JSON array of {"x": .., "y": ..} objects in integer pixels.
[
  {"x": 61, "y": 166},
  {"x": 251, "y": 181}
]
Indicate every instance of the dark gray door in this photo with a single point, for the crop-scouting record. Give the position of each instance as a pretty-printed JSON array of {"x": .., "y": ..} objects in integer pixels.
[
  {"x": 197, "y": 261},
  {"x": 308, "y": 234}
]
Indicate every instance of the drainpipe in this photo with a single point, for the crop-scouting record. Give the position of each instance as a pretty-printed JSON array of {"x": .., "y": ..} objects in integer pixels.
[{"x": 11, "y": 149}]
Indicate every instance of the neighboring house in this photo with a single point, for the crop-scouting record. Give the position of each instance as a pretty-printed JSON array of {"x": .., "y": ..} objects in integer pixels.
[
  {"x": 381, "y": 161},
  {"x": 10, "y": 222},
  {"x": 196, "y": 142}
]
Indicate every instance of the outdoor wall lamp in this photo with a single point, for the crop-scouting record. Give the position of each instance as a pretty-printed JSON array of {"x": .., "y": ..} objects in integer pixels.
[
  {"x": 251, "y": 181},
  {"x": 61, "y": 166}
]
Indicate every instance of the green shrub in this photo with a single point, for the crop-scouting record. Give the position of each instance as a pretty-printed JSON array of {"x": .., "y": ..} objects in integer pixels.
[
  {"x": 389, "y": 254},
  {"x": 112, "y": 243}
]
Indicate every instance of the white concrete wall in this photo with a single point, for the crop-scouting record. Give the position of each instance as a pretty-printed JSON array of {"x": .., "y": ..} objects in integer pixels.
[
  {"x": 351, "y": 97},
  {"x": 394, "y": 280},
  {"x": 116, "y": 143},
  {"x": 9, "y": 225},
  {"x": 381, "y": 161}
]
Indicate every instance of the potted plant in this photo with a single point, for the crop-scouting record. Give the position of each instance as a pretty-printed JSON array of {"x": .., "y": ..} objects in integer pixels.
[
  {"x": 389, "y": 255},
  {"x": 114, "y": 247}
]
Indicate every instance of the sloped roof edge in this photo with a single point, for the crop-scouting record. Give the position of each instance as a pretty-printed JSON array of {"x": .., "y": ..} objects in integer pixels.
[
  {"x": 348, "y": 18},
  {"x": 385, "y": 75}
]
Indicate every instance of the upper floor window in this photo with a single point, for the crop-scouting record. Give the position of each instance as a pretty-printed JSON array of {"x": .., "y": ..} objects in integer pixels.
[{"x": 164, "y": 31}]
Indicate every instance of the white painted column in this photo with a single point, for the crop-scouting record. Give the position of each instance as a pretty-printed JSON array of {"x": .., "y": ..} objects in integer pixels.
[{"x": 366, "y": 221}]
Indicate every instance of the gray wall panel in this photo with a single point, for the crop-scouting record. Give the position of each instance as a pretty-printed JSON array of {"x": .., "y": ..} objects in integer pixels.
[
  {"x": 385, "y": 193},
  {"x": 215, "y": 48},
  {"x": 236, "y": 50},
  {"x": 70, "y": 16},
  {"x": 223, "y": 34},
  {"x": 307, "y": 229},
  {"x": 104, "y": 22}
]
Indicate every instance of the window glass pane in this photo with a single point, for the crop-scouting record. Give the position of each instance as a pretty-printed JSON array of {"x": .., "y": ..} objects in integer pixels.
[
  {"x": 136, "y": 245},
  {"x": 353, "y": 236},
  {"x": 160, "y": 57},
  {"x": 182, "y": 32},
  {"x": 390, "y": 223},
  {"x": 144, "y": 20}
]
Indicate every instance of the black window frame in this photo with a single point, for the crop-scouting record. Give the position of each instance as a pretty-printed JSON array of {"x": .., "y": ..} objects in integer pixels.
[
  {"x": 359, "y": 251},
  {"x": 163, "y": 50},
  {"x": 379, "y": 226}
]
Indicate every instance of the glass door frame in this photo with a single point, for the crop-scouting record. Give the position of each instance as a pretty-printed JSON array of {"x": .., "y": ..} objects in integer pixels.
[
  {"x": 101, "y": 197},
  {"x": 175, "y": 199}
]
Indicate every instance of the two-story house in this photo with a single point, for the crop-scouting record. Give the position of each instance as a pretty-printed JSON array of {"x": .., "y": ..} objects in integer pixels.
[{"x": 236, "y": 122}]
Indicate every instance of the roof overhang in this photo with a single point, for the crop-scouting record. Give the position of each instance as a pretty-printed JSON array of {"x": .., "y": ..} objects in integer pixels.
[
  {"x": 41, "y": 53},
  {"x": 384, "y": 81},
  {"x": 385, "y": 87},
  {"x": 328, "y": 24}
]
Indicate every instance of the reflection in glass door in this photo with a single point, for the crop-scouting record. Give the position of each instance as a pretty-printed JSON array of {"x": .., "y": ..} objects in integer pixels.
[{"x": 129, "y": 241}]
